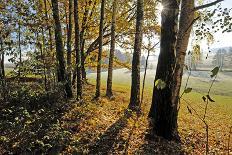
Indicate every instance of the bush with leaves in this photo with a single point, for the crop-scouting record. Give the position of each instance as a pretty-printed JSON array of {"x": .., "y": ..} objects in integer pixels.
[{"x": 30, "y": 119}]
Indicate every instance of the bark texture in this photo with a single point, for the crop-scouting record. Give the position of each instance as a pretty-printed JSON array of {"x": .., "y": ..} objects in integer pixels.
[
  {"x": 109, "y": 91},
  {"x": 82, "y": 40},
  {"x": 2, "y": 55},
  {"x": 78, "y": 54},
  {"x": 162, "y": 109},
  {"x": 69, "y": 43},
  {"x": 98, "y": 81},
  {"x": 135, "y": 83},
  {"x": 185, "y": 27},
  {"x": 20, "y": 50},
  {"x": 60, "y": 49}
]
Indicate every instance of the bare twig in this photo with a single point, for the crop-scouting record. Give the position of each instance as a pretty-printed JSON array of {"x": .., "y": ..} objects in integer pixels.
[
  {"x": 207, "y": 5},
  {"x": 207, "y": 100},
  {"x": 145, "y": 72}
]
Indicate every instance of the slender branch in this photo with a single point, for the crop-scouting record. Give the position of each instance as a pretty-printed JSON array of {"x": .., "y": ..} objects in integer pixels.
[
  {"x": 207, "y": 100},
  {"x": 186, "y": 84},
  {"x": 190, "y": 25},
  {"x": 207, "y": 5},
  {"x": 194, "y": 110}
]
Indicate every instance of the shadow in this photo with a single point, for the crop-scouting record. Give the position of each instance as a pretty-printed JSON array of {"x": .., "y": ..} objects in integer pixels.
[
  {"x": 125, "y": 152},
  {"x": 154, "y": 144},
  {"x": 36, "y": 126},
  {"x": 107, "y": 142}
]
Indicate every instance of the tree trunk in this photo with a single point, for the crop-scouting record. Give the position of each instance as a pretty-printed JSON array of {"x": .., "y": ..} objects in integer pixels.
[
  {"x": 185, "y": 27},
  {"x": 109, "y": 92},
  {"x": 144, "y": 76},
  {"x": 60, "y": 49},
  {"x": 43, "y": 57},
  {"x": 82, "y": 40},
  {"x": 69, "y": 42},
  {"x": 162, "y": 108},
  {"x": 20, "y": 50},
  {"x": 98, "y": 80},
  {"x": 49, "y": 55},
  {"x": 2, "y": 56},
  {"x": 83, "y": 71},
  {"x": 135, "y": 83},
  {"x": 78, "y": 54}
]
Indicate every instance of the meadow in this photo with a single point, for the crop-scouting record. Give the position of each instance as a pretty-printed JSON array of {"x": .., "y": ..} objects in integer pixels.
[
  {"x": 105, "y": 127},
  {"x": 191, "y": 128}
]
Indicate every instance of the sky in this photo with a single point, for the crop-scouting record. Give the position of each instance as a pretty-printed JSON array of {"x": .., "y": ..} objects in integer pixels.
[{"x": 225, "y": 39}]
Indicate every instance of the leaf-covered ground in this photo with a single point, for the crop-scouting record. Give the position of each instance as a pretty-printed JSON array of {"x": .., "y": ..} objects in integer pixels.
[{"x": 106, "y": 127}]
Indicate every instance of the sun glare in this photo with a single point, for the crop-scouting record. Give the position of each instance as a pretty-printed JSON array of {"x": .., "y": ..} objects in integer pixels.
[{"x": 161, "y": 7}]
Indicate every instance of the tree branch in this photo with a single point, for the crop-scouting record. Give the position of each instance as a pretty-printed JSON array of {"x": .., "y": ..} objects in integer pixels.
[
  {"x": 190, "y": 26},
  {"x": 207, "y": 5}
]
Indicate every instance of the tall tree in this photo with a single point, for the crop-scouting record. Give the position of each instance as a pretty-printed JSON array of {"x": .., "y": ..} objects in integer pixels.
[
  {"x": 135, "y": 83},
  {"x": 50, "y": 41},
  {"x": 164, "y": 108},
  {"x": 82, "y": 40},
  {"x": 78, "y": 54},
  {"x": 20, "y": 49},
  {"x": 2, "y": 55},
  {"x": 109, "y": 92},
  {"x": 98, "y": 80},
  {"x": 60, "y": 49},
  {"x": 69, "y": 42},
  {"x": 161, "y": 112},
  {"x": 185, "y": 27}
]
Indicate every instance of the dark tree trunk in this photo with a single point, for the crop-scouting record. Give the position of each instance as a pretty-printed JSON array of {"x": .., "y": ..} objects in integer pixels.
[
  {"x": 82, "y": 40},
  {"x": 162, "y": 109},
  {"x": 2, "y": 56},
  {"x": 43, "y": 57},
  {"x": 144, "y": 76},
  {"x": 20, "y": 50},
  {"x": 135, "y": 83},
  {"x": 98, "y": 80},
  {"x": 69, "y": 43},
  {"x": 60, "y": 49},
  {"x": 83, "y": 71},
  {"x": 78, "y": 54},
  {"x": 49, "y": 54},
  {"x": 109, "y": 92}
]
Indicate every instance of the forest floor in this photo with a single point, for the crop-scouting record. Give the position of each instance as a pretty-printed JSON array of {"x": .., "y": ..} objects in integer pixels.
[{"x": 106, "y": 127}]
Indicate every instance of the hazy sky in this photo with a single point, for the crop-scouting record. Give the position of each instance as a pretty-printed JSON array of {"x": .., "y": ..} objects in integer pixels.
[{"x": 222, "y": 40}]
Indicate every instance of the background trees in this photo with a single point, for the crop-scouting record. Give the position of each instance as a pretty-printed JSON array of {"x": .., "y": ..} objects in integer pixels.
[
  {"x": 78, "y": 52},
  {"x": 135, "y": 83},
  {"x": 53, "y": 41},
  {"x": 61, "y": 71},
  {"x": 99, "y": 59},
  {"x": 109, "y": 91}
]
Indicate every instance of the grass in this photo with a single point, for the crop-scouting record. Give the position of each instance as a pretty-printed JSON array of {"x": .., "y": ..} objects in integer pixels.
[
  {"x": 8, "y": 70},
  {"x": 219, "y": 114},
  {"x": 104, "y": 127}
]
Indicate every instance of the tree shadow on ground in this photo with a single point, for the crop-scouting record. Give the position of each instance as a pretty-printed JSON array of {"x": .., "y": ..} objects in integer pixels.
[
  {"x": 111, "y": 140},
  {"x": 159, "y": 146}
]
